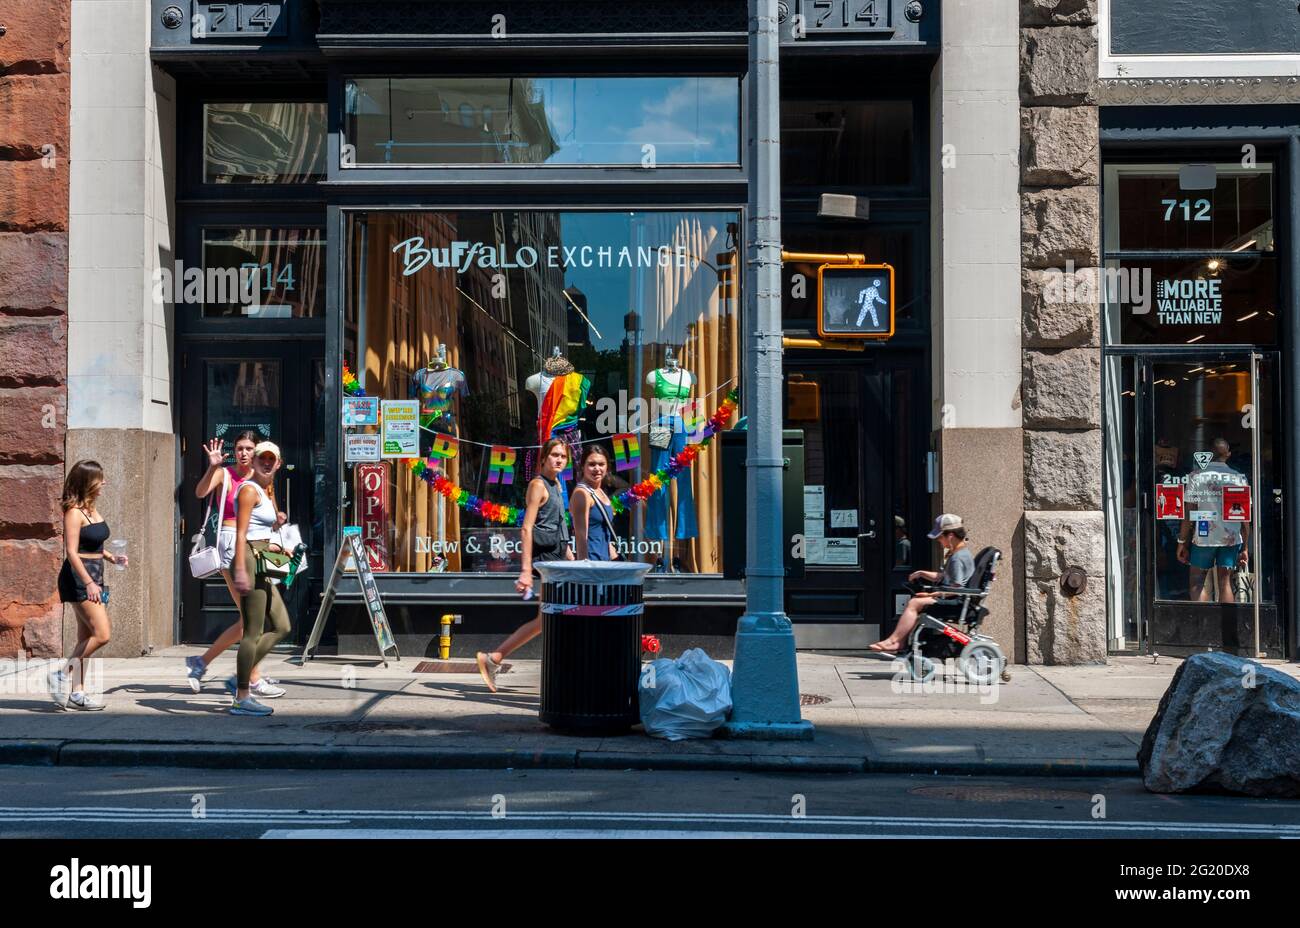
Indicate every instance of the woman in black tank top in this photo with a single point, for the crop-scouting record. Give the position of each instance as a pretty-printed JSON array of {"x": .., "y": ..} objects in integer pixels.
[
  {"x": 81, "y": 581},
  {"x": 544, "y": 537}
]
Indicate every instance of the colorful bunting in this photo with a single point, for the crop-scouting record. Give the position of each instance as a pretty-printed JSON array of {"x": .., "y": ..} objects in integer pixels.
[
  {"x": 444, "y": 446},
  {"x": 427, "y": 471},
  {"x": 501, "y": 465},
  {"x": 627, "y": 451},
  {"x": 351, "y": 386}
]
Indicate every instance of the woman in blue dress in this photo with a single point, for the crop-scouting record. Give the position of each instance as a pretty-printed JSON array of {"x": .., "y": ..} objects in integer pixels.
[{"x": 593, "y": 515}]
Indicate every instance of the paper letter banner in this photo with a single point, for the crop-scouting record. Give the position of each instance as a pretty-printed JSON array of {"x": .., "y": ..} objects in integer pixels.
[
  {"x": 501, "y": 465},
  {"x": 627, "y": 451},
  {"x": 444, "y": 446}
]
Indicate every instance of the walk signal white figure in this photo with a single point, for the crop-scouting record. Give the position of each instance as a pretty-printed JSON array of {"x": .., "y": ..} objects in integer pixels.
[{"x": 867, "y": 299}]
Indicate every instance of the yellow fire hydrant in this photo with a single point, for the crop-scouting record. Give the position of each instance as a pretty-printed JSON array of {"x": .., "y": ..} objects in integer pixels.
[{"x": 444, "y": 639}]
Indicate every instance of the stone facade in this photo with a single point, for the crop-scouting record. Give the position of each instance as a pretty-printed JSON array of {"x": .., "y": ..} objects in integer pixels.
[
  {"x": 1060, "y": 212},
  {"x": 35, "y": 99}
]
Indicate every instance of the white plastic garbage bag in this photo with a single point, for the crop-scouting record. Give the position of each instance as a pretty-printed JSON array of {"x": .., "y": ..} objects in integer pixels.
[{"x": 686, "y": 698}]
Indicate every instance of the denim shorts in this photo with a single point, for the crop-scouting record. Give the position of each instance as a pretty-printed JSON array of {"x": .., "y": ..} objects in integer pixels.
[{"x": 1203, "y": 557}]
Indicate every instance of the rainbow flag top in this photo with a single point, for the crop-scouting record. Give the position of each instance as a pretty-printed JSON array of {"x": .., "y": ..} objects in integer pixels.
[{"x": 564, "y": 400}]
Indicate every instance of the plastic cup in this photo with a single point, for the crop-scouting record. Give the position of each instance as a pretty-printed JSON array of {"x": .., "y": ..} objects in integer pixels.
[{"x": 117, "y": 547}]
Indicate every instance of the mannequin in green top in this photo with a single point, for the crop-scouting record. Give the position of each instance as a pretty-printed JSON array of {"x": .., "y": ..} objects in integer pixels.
[{"x": 672, "y": 385}]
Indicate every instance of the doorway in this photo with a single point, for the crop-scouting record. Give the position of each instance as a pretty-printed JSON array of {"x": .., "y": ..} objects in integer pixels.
[
  {"x": 864, "y": 498},
  {"x": 275, "y": 388},
  {"x": 1199, "y": 468}
]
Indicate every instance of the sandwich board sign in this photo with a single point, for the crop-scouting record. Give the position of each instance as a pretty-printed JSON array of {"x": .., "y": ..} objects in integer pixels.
[{"x": 353, "y": 553}]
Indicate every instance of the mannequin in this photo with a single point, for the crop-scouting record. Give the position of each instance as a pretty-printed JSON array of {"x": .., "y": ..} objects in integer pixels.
[
  {"x": 561, "y": 396},
  {"x": 436, "y": 385},
  {"x": 672, "y": 385}
]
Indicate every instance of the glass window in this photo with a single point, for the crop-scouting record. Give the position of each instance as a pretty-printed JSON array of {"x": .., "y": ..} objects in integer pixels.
[
  {"x": 640, "y": 121},
  {"x": 509, "y": 328},
  {"x": 1189, "y": 256},
  {"x": 263, "y": 143},
  {"x": 282, "y": 270},
  {"x": 879, "y": 245},
  {"x": 846, "y": 144}
]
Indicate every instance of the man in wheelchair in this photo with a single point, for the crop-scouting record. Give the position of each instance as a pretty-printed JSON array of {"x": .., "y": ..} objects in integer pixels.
[{"x": 958, "y": 570}]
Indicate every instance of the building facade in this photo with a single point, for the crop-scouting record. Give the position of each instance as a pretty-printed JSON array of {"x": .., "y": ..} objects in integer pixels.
[{"x": 523, "y": 220}]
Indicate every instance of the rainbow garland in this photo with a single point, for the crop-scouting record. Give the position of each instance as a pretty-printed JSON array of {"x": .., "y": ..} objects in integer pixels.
[
  {"x": 351, "y": 386},
  {"x": 490, "y": 511},
  {"x": 680, "y": 461},
  {"x": 427, "y": 470}
]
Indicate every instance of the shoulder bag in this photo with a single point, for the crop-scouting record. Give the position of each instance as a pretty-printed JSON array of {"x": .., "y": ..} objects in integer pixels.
[{"x": 205, "y": 559}]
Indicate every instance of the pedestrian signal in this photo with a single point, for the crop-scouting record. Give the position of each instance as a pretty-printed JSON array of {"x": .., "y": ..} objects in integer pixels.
[{"x": 855, "y": 301}]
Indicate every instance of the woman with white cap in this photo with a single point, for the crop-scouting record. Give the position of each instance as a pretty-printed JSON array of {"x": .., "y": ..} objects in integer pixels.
[
  {"x": 958, "y": 568},
  {"x": 266, "y": 621}
]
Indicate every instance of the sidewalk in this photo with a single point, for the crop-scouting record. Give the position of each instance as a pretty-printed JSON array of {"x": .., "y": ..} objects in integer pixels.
[{"x": 349, "y": 714}]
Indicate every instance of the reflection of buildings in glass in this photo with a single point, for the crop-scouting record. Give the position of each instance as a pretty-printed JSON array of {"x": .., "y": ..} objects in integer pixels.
[
  {"x": 252, "y": 388},
  {"x": 538, "y": 306},
  {"x": 488, "y": 349},
  {"x": 577, "y": 314},
  {"x": 264, "y": 142}
]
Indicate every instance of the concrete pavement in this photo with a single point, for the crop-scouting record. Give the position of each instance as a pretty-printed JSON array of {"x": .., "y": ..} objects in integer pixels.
[{"x": 344, "y": 713}]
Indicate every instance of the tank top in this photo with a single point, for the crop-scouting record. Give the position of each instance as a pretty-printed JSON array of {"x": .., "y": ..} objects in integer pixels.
[
  {"x": 92, "y": 537},
  {"x": 232, "y": 494},
  {"x": 599, "y": 518},
  {"x": 668, "y": 387},
  {"x": 550, "y": 515},
  {"x": 261, "y": 522}
]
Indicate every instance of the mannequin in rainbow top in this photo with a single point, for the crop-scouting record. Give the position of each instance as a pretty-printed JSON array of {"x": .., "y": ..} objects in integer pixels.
[
  {"x": 436, "y": 386},
  {"x": 561, "y": 396},
  {"x": 672, "y": 385}
]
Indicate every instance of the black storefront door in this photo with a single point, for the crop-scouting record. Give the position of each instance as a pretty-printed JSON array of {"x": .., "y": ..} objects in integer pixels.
[
  {"x": 276, "y": 388},
  {"x": 861, "y": 508},
  {"x": 1210, "y": 474}
]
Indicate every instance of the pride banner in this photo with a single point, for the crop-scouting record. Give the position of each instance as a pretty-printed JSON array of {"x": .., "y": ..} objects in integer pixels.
[
  {"x": 627, "y": 451},
  {"x": 444, "y": 446},
  {"x": 501, "y": 465}
]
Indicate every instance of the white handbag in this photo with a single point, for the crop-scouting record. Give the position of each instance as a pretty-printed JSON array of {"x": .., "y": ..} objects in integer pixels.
[
  {"x": 205, "y": 559},
  {"x": 290, "y": 537}
]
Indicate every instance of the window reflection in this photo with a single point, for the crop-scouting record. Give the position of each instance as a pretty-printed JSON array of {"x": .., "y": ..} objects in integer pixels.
[
  {"x": 263, "y": 143},
  {"x": 280, "y": 272},
  {"x": 544, "y": 120}
]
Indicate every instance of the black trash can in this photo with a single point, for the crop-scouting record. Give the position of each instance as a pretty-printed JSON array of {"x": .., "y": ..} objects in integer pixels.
[{"x": 591, "y": 644}]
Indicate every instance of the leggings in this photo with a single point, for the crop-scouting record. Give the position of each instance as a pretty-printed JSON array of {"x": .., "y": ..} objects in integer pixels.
[{"x": 261, "y": 607}]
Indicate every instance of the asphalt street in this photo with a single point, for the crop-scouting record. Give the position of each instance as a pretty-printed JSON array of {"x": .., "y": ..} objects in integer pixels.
[{"x": 45, "y": 802}]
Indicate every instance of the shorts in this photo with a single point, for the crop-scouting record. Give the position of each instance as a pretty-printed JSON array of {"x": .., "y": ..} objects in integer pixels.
[
  {"x": 944, "y": 611},
  {"x": 71, "y": 589},
  {"x": 1203, "y": 557},
  {"x": 226, "y": 546}
]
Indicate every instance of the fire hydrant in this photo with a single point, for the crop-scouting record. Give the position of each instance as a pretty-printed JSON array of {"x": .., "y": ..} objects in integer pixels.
[{"x": 444, "y": 639}]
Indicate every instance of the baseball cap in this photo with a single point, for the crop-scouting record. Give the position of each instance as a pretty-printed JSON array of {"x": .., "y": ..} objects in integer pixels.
[
  {"x": 945, "y": 523},
  {"x": 267, "y": 447}
]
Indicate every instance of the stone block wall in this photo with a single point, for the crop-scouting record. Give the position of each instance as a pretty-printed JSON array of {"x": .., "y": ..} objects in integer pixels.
[
  {"x": 35, "y": 103},
  {"x": 1060, "y": 213}
]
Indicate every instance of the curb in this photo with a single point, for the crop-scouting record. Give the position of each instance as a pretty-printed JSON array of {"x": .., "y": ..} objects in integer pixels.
[{"x": 235, "y": 756}]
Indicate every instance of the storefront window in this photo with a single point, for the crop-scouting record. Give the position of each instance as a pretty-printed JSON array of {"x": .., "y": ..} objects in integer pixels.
[
  {"x": 846, "y": 144},
  {"x": 263, "y": 273},
  {"x": 509, "y": 328},
  {"x": 1190, "y": 256},
  {"x": 263, "y": 143},
  {"x": 643, "y": 121}
]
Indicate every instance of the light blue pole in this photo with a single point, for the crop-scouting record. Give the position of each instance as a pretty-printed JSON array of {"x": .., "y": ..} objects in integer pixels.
[{"x": 765, "y": 681}]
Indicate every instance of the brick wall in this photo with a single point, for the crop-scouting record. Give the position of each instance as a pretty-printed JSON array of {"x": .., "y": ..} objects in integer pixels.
[{"x": 34, "y": 128}]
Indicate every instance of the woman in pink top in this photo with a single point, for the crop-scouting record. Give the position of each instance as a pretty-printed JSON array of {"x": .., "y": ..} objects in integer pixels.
[{"x": 211, "y": 483}]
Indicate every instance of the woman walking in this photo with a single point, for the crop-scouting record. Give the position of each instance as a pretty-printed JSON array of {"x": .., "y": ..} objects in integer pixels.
[
  {"x": 212, "y": 482},
  {"x": 545, "y": 537},
  {"x": 594, "y": 538},
  {"x": 81, "y": 581},
  {"x": 255, "y": 562}
]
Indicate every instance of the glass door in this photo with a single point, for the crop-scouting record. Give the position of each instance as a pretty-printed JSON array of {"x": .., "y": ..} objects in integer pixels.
[{"x": 1211, "y": 513}]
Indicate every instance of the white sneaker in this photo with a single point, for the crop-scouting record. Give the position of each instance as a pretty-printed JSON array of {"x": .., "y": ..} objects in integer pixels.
[
  {"x": 59, "y": 685},
  {"x": 250, "y": 706},
  {"x": 488, "y": 669},
  {"x": 80, "y": 700},
  {"x": 266, "y": 689}
]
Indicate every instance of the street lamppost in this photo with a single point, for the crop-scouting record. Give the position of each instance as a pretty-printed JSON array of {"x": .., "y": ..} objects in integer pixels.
[{"x": 765, "y": 681}]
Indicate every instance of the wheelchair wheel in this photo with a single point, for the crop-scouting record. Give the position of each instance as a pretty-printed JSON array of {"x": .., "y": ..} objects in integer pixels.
[
  {"x": 982, "y": 662},
  {"x": 922, "y": 669}
]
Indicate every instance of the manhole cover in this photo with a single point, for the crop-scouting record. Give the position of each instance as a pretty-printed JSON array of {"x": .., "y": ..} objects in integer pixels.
[
  {"x": 1000, "y": 794},
  {"x": 812, "y": 699}
]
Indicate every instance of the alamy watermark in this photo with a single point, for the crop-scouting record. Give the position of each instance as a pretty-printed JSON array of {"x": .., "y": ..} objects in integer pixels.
[{"x": 1126, "y": 285}]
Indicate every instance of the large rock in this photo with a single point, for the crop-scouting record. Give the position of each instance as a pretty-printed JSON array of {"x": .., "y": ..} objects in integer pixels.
[
  {"x": 30, "y": 500},
  {"x": 1057, "y": 226},
  {"x": 35, "y": 351},
  {"x": 1062, "y": 389},
  {"x": 1225, "y": 724},
  {"x": 1058, "y": 145},
  {"x": 1061, "y": 629},
  {"x": 34, "y": 272},
  {"x": 32, "y": 425},
  {"x": 1058, "y": 66},
  {"x": 37, "y": 107},
  {"x": 1058, "y": 12},
  {"x": 1063, "y": 470},
  {"x": 36, "y": 36},
  {"x": 1057, "y": 541},
  {"x": 1058, "y": 309}
]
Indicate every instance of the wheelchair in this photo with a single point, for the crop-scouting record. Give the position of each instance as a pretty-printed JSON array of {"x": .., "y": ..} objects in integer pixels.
[{"x": 950, "y": 630}]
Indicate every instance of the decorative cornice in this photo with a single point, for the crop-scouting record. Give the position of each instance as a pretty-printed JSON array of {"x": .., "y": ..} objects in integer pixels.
[{"x": 1189, "y": 91}]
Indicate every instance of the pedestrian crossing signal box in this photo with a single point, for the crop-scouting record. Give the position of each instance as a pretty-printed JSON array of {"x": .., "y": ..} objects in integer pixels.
[{"x": 855, "y": 301}]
